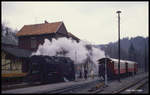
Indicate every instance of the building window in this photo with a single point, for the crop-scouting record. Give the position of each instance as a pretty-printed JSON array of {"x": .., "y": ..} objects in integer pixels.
[{"x": 33, "y": 42}]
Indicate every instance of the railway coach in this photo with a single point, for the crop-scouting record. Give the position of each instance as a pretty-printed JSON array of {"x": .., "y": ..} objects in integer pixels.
[{"x": 126, "y": 67}]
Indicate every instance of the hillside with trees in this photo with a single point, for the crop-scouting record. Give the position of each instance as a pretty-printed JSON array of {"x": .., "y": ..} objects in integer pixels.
[
  {"x": 8, "y": 35},
  {"x": 134, "y": 49}
]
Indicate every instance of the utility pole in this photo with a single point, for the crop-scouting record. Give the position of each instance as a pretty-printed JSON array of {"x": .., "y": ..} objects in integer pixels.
[
  {"x": 106, "y": 70},
  {"x": 145, "y": 57},
  {"x": 118, "y": 44},
  {"x": 76, "y": 66}
]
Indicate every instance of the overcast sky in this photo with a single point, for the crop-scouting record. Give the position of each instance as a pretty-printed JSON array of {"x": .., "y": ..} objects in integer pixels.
[{"x": 96, "y": 22}]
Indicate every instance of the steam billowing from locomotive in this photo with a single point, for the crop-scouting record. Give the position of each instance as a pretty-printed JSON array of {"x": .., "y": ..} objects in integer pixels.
[{"x": 79, "y": 52}]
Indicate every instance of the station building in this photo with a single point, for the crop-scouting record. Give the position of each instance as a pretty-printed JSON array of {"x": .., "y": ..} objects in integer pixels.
[{"x": 30, "y": 36}]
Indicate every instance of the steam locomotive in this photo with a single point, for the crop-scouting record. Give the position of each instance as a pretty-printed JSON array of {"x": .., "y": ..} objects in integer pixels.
[
  {"x": 126, "y": 67},
  {"x": 47, "y": 69}
]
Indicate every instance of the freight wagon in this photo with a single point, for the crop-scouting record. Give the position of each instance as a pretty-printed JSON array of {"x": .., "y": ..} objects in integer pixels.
[
  {"x": 126, "y": 67},
  {"x": 47, "y": 69}
]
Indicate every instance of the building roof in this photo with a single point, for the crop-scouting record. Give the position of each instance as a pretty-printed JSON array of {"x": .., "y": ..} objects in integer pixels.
[
  {"x": 38, "y": 29},
  {"x": 17, "y": 51},
  {"x": 74, "y": 37}
]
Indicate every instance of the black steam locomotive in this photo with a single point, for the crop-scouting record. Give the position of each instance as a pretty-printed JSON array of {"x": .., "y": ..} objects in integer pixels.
[{"x": 47, "y": 69}]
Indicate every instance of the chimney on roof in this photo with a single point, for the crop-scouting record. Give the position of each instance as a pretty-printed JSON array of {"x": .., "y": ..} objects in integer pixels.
[{"x": 46, "y": 21}]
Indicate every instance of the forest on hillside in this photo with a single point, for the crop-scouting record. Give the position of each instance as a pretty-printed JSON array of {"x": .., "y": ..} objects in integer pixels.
[{"x": 134, "y": 49}]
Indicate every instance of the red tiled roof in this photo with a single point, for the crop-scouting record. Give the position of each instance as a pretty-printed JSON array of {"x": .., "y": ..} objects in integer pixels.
[{"x": 38, "y": 29}]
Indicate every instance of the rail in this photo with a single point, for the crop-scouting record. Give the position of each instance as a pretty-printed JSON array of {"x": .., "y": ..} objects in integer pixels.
[{"x": 130, "y": 85}]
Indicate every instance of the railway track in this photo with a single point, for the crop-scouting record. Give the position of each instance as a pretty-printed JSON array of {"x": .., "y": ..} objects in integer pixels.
[
  {"x": 98, "y": 86},
  {"x": 95, "y": 89},
  {"x": 137, "y": 88},
  {"x": 133, "y": 87},
  {"x": 20, "y": 85},
  {"x": 71, "y": 89}
]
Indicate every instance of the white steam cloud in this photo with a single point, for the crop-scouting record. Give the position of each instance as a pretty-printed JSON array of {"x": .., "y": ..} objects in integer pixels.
[{"x": 67, "y": 47}]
